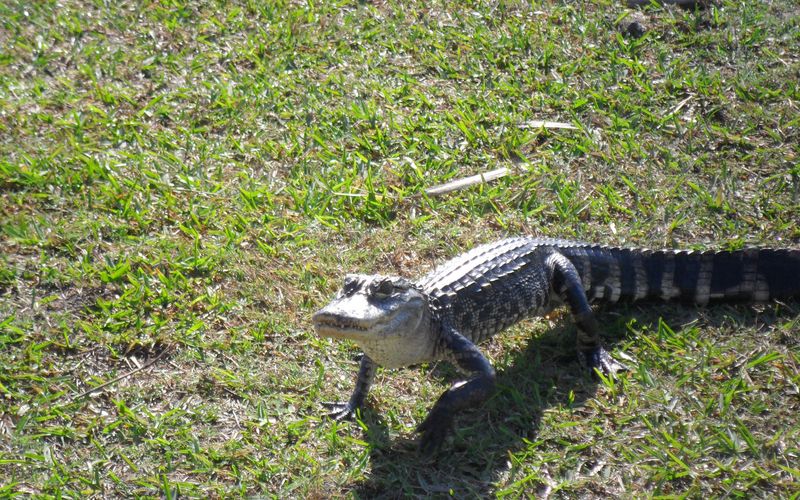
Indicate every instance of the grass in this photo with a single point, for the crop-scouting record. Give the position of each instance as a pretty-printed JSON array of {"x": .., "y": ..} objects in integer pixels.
[{"x": 191, "y": 180}]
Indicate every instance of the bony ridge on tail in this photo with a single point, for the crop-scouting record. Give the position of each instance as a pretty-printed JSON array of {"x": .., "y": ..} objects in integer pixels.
[{"x": 444, "y": 315}]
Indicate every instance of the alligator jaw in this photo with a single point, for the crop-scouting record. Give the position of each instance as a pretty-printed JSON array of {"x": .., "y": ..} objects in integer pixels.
[{"x": 330, "y": 324}]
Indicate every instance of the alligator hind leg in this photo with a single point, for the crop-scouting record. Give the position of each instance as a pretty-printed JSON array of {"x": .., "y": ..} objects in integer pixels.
[{"x": 566, "y": 282}]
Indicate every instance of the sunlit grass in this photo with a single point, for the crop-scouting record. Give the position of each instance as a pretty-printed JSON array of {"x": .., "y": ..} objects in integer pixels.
[{"x": 191, "y": 180}]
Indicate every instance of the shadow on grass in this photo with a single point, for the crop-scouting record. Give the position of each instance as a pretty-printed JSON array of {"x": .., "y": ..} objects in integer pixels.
[{"x": 542, "y": 375}]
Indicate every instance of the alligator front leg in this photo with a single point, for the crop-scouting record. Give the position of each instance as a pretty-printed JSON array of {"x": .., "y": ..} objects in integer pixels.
[
  {"x": 462, "y": 395},
  {"x": 346, "y": 410},
  {"x": 566, "y": 282}
]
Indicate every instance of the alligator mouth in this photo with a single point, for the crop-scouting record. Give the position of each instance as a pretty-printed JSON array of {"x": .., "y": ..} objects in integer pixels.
[{"x": 332, "y": 325}]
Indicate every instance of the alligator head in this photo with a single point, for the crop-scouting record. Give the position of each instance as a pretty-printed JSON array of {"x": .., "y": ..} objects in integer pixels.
[{"x": 388, "y": 317}]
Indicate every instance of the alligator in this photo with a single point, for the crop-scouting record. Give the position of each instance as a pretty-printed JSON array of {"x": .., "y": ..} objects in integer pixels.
[{"x": 398, "y": 322}]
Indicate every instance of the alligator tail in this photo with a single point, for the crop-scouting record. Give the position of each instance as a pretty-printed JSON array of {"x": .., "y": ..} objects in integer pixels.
[{"x": 628, "y": 274}]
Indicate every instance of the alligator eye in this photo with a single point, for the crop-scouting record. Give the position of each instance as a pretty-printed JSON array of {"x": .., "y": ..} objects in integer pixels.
[
  {"x": 351, "y": 284},
  {"x": 383, "y": 289}
]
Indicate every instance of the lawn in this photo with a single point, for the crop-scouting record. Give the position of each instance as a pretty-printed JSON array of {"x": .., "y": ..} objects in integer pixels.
[{"x": 183, "y": 183}]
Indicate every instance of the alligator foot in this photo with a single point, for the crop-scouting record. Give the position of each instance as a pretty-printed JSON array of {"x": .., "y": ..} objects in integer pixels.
[
  {"x": 434, "y": 430},
  {"x": 599, "y": 359},
  {"x": 341, "y": 411}
]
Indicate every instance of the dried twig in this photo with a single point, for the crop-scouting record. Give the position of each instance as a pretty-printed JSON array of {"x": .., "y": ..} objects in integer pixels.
[
  {"x": 121, "y": 377},
  {"x": 548, "y": 124},
  {"x": 465, "y": 182}
]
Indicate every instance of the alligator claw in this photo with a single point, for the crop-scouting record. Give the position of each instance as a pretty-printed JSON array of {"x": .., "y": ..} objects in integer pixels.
[
  {"x": 430, "y": 444},
  {"x": 434, "y": 430},
  {"x": 602, "y": 361},
  {"x": 340, "y": 411}
]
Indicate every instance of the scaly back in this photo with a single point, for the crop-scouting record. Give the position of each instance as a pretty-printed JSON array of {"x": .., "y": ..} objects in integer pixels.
[{"x": 493, "y": 286}]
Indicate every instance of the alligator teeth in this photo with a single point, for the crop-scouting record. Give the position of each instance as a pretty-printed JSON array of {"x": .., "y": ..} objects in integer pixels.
[
  {"x": 343, "y": 326},
  {"x": 329, "y": 322}
]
